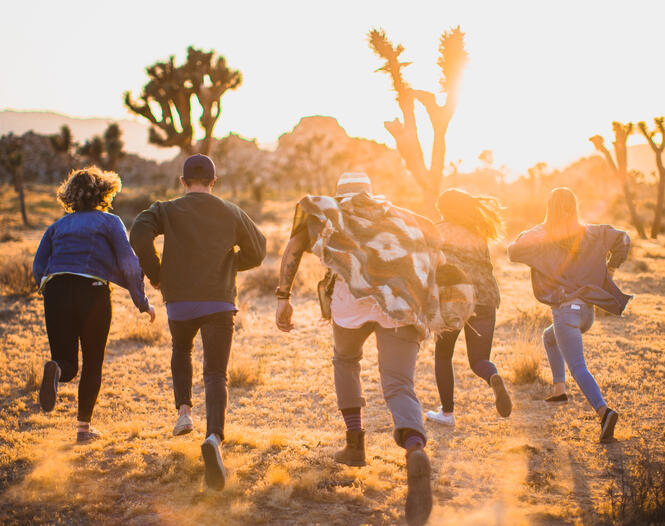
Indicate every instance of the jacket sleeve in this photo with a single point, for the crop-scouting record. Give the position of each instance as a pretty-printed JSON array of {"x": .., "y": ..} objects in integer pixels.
[
  {"x": 128, "y": 264},
  {"x": 147, "y": 226},
  {"x": 618, "y": 246},
  {"x": 42, "y": 256},
  {"x": 250, "y": 241},
  {"x": 526, "y": 247}
]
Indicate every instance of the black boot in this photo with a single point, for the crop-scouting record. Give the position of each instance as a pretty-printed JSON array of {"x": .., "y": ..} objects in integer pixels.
[{"x": 354, "y": 452}]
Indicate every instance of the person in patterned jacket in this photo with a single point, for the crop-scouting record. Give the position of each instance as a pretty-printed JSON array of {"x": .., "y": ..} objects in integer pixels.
[{"x": 385, "y": 260}]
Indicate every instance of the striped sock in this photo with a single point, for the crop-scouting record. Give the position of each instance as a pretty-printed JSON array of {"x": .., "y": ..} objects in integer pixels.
[
  {"x": 413, "y": 440},
  {"x": 352, "y": 419}
]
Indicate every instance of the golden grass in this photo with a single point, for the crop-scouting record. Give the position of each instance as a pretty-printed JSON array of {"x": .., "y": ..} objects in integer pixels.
[
  {"x": 245, "y": 373},
  {"x": 525, "y": 366},
  {"x": 16, "y": 276},
  {"x": 540, "y": 466}
]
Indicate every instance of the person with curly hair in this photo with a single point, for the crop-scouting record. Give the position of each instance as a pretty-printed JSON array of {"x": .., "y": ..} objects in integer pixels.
[
  {"x": 77, "y": 259},
  {"x": 469, "y": 224}
]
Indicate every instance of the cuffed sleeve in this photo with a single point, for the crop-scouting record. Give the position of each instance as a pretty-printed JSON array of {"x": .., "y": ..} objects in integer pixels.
[
  {"x": 147, "y": 226},
  {"x": 618, "y": 243},
  {"x": 251, "y": 242},
  {"x": 42, "y": 255},
  {"x": 128, "y": 265}
]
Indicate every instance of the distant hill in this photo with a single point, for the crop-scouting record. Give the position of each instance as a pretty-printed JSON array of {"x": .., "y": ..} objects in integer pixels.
[{"x": 135, "y": 134}]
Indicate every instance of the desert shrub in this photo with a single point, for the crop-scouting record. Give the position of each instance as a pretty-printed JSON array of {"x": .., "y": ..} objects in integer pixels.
[
  {"x": 525, "y": 365},
  {"x": 33, "y": 378},
  {"x": 8, "y": 236},
  {"x": 637, "y": 495},
  {"x": 142, "y": 331},
  {"x": 245, "y": 373},
  {"x": 636, "y": 266},
  {"x": 530, "y": 322},
  {"x": 16, "y": 276},
  {"x": 263, "y": 280}
]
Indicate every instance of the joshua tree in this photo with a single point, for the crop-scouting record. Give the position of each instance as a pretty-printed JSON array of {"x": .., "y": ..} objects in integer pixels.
[
  {"x": 658, "y": 152},
  {"x": 170, "y": 90},
  {"x": 621, "y": 133},
  {"x": 62, "y": 142},
  {"x": 11, "y": 160},
  {"x": 104, "y": 151},
  {"x": 452, "y": 60}
]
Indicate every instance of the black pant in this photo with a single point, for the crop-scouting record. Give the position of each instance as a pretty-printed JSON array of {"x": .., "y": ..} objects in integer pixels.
[
  {"x": 478, "y": 333},
  {"x": 216, "y": 334},
  {"x": 78, "y": 308}
]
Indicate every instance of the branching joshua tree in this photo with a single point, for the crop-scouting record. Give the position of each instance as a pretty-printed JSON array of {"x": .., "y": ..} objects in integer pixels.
[
  {"x": 104, "y": 151},
  {"x": 62, "y": 142},
  {"x": 11, "y": 161},
  {"x": 166, "y": 100},
  {"x": 658, "y": 152},
  {"x": 452, "y": 61},
  {"x": 621, "y": 133}
]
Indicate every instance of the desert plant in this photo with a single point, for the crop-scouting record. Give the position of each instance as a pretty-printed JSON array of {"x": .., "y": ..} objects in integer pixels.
[
  {"x": 11, "y": 161},
  {"x": 452, "y": 61},
  {"x": 204, "y": 75},
  {"x": 245, "y": 373},
  {"x": 637, "y": 495},
  {"x": 658, "y": 152},
  {"x": 140, "y": 331},
  {"x": 525, "y": 365},
  {"x": 16, "y": 277},
  {"x": 621, "y": 133},
  {"x": 104, "y": 151}
]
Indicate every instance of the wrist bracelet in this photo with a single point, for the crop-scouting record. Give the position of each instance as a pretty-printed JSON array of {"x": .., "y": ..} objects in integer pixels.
[{"x": 282, "y": 294}]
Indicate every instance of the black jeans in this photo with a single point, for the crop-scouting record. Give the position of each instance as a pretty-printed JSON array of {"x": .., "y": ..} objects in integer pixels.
[
  {"x": 216, "y": 334},
  {"x": 478, "y": 333},
  {"x": 78, "y": 308}
]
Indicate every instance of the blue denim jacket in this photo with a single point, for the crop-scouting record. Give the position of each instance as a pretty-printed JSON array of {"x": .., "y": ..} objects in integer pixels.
[{"x": 94, "y": 243}]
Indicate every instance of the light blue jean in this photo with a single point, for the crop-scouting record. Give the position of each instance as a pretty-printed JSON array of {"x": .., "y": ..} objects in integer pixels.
[{"x": 563, "y": 341}]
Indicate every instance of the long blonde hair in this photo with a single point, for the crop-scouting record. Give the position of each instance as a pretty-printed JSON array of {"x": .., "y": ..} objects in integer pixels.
[
  {"x": 479, "y": 214},
  {"x": 562, "y": 220}
]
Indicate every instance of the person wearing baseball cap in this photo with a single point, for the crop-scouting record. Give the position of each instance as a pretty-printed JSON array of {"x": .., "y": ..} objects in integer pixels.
[{"x": 207, "y": 240}]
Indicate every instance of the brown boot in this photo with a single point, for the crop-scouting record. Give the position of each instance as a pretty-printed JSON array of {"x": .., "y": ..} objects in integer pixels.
[{"x": 354, "y": 452}]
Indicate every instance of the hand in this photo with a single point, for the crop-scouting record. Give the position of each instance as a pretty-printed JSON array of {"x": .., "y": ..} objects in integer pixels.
[
  {"x": 151, "y": 313},
  {"x": 283, "y": 315}
]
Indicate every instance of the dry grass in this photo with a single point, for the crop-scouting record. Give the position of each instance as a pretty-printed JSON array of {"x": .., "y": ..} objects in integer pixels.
[
  {"x": 282, "y": 430},
  {"x": 525, "y": 366},
  {"x": 140, "y": 331},
  {"x": 16, "y": 276}
]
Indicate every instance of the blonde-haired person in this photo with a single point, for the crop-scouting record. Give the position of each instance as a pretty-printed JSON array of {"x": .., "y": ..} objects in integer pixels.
[
  {"x": 78, "y": 257},
  {"x": 469, "y": 224},
  {"x": 572, "y": 265}
]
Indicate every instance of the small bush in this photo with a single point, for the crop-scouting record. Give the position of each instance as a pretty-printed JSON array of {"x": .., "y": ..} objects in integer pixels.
[
  {"x": 143, "y": 332},
  {"x": 16, "y": 277},
  {"x": 526, "y": 364},
  {"x": 33, "y": 379},
  {"x": 530, "y": 322},
  {"x": 245, "y": 373},
  {"x": 637, "y": 495}
]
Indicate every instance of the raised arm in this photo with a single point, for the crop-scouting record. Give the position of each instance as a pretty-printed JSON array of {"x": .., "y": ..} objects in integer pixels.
[
  {"x": 526, "y": 247},
  {"x": 252, "y": 244},
  {"x": 618, "y": 243},
  {"x": 147, "y": 226},
  {"x": 293, "y": 252}
]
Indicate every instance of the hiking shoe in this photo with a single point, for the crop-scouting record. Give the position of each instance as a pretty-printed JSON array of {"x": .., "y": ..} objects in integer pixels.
[
  {"x": 87, "y": 435},
  {"x": 501, "y": 397},
  {"x": 48, "y": 391},
  {"x": 419, "y": 494},
  {"x": 353, "y": 453},
  {"x": 558, "y": 399},
  {"x": 439, "y": 417},
  {"x": 607, "y": 424},
  {"x": 215, "y": 474},
  {"x": 184, "y": 425}
]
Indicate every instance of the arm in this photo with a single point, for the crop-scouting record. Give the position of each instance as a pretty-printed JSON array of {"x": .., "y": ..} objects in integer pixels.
[
  {"x": 293, "y": 252},
  {"x": 128, "y": 264},
  {"x": 147, "y": 226},
  {"x": 252, "y": 244},
  {"x": 42, "y": 256},
  {"x": 526, "y": 247},
  {"x": 618, "y": 247}
]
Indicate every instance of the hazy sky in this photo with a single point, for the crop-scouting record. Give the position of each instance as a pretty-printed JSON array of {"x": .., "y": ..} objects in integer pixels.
[{"x": 542, "y": 77}]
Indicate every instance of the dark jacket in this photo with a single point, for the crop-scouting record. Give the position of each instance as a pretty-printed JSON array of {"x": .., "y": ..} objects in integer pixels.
[
  {"x": 557, "y": 277},
  {"x": 93, "y": 243},
  {"x": 199, "y": 260}
]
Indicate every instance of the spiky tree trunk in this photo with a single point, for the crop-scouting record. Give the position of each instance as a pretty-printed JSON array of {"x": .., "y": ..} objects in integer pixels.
[
  {"x": 621, "y": 133},
  {"x": 452, "y": 60},
  {"x": 11, "y": 160},
  {"x": 18, "y": 184},
  {"x": 658, "y": 152}
]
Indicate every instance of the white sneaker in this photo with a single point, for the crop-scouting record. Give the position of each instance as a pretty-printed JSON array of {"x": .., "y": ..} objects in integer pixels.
[
  {"x": 438, "y": 416},
  {"x": 214, "y": 472},
  {"x": 184, "y": 425}
]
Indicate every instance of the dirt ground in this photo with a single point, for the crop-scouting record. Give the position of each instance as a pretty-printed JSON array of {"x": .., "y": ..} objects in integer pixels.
[{"x": 541, "y": 466}]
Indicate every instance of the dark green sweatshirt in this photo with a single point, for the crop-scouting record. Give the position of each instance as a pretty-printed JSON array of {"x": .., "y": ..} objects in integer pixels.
[{"x": 207, "y": 240}]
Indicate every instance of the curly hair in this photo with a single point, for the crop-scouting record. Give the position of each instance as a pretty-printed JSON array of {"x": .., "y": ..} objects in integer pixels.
[
  {"x": 479, "y": 214},
  {"x": 88, "y": 189}
]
